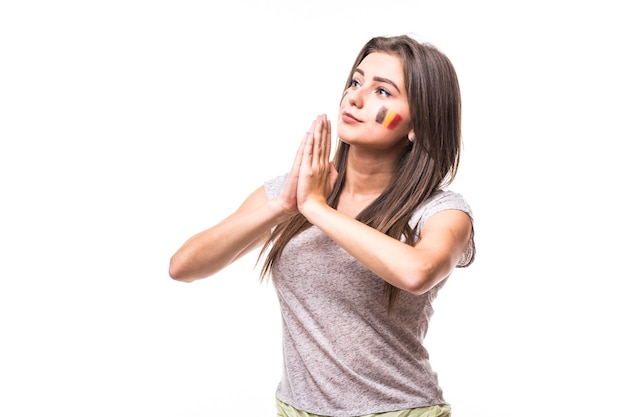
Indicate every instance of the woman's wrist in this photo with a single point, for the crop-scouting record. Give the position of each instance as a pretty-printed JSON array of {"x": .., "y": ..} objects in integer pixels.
[
  {"x": 313, "y": 210},
  {"x": 280, "y": 210}
]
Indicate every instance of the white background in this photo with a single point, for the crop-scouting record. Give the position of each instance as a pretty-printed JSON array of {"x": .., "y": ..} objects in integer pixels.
[{"x": 127, "y": 126}]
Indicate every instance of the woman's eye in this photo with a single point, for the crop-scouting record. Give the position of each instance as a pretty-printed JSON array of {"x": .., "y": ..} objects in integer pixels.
[
  {"x": 383, "y": 92},
  {"x": 354, "y": 83}
]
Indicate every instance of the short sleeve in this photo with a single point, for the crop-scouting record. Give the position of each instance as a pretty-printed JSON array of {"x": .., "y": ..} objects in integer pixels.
[
  {"x": 446, "y": 200},
  {"x": 274, "y": 186}
]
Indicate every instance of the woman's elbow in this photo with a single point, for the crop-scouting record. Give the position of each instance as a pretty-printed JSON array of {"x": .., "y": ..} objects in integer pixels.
[
  {"x": 418, "y": 286},
  {"x": 422, "y": 279},
  {"x": 177, "y": 270}
]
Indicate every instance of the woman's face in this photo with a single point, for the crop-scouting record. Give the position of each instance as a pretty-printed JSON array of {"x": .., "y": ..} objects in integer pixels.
[{"x": 374, "y": 110}]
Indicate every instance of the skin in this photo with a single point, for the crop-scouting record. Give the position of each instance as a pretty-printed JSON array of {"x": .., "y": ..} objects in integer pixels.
[
  {"x": 378, "y": 81},
  {"x": 382, "y": 115}
]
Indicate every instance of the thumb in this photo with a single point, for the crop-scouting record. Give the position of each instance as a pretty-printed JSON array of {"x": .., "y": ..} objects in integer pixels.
[{"x": 332, "y": 174}]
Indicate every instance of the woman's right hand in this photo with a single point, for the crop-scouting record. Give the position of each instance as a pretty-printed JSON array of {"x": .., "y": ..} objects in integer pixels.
[
  {"x": 248, "y": 227},
  {"x": 288, "y": 197}
]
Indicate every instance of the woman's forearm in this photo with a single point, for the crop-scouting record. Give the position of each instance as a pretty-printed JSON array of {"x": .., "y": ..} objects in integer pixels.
[
  {"x": 415, "y": 269},
  {"x": 209, "y": 251}
]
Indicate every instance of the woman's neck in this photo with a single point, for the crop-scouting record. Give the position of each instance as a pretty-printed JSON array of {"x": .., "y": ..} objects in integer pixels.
[{"x": 367, "y": 174}]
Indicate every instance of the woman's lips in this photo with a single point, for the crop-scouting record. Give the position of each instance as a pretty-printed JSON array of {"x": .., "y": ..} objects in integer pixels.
[{"x": 349, "y": 118}]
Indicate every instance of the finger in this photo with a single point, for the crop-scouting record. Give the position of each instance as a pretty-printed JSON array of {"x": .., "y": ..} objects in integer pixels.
[
  {"x": 317, "y": 142},
  {"x": 332, "y": 174},
  {"x": 308, "y": 149},
  {"x": 326, "y": 139},
  {"x": 297, "y": 161},
  {"x": 323, "y": 146}
]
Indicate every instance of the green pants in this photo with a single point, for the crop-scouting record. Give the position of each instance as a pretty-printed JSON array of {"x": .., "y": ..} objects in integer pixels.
[{"x": 442, "y": 410}]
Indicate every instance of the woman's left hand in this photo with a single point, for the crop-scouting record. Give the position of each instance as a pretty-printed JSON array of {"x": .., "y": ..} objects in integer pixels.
[{"x": 317, "y": 173}]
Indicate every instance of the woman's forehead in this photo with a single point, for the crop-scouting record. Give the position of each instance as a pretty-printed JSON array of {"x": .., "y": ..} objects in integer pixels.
[
  {"x": 378, "y": 63},
  {"x": 382, "y": 65}
]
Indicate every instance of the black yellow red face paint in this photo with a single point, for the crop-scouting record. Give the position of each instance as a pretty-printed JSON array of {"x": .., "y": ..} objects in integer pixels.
[{"x": 388, "y": 117}]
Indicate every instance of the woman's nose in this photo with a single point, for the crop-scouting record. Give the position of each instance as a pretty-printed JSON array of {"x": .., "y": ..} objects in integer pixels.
[{"x": 355, "y": 97}]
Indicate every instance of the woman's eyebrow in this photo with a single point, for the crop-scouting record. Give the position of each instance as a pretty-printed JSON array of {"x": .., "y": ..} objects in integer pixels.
[
  {"x": 388, "y": 81},
  {"x": 379, "y": 79}
]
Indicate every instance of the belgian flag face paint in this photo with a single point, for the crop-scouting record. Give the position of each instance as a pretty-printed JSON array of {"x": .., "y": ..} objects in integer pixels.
[{"x": 388, "y": 117}]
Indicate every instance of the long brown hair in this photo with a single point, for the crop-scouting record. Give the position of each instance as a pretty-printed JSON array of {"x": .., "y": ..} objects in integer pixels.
[{"x": 428, "y": 164}]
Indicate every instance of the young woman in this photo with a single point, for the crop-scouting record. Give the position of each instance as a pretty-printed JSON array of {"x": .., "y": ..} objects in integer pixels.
[{"x": 359, "y": 247}]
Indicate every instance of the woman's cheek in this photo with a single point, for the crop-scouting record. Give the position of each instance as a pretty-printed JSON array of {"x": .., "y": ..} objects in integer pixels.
[{"x": 388, "y": 118}]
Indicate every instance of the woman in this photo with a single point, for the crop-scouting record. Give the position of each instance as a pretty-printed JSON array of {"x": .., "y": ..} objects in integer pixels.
[{"x": 359, "y": 247}]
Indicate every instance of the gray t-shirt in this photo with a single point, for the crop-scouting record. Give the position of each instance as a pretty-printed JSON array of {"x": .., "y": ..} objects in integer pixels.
[{"x": 344, "y": 354}]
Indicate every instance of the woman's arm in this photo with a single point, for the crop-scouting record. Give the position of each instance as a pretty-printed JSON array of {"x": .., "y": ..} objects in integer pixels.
[
  {"x": 416, "y": 269},
  {"x": 209, "y": 251},
  {"x": 247, "y": 228}
]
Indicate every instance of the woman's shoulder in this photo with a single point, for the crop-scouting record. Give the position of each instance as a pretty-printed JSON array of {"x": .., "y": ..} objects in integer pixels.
[
  {"x": 439, "y": 201},
  {"x": 448, "y": 199}
]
